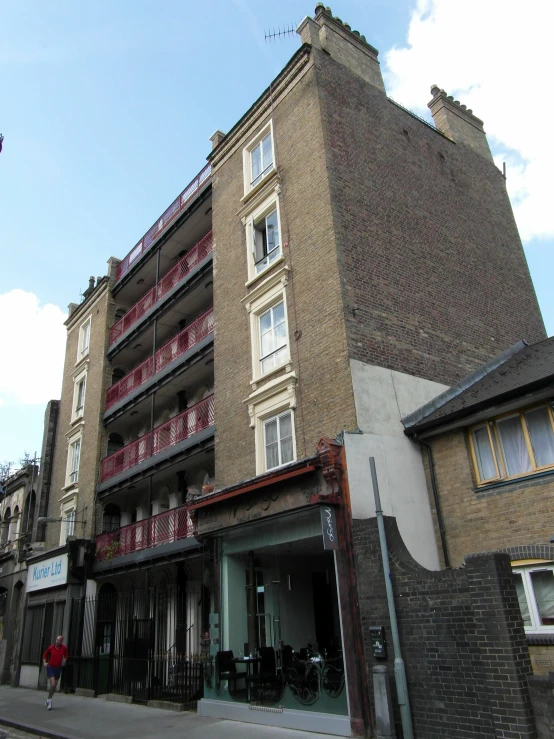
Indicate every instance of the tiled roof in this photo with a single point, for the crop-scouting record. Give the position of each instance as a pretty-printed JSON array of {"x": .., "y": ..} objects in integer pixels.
[{"x": 519, "y": 370}]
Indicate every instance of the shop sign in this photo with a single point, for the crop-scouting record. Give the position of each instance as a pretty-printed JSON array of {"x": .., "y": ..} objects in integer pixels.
[
  {"x": 47, "y": 574},
  {"x": 329, "y": 527}
]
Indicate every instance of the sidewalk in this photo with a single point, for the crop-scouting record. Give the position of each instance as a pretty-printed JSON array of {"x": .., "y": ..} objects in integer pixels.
[{"x": 74, "y": 717}]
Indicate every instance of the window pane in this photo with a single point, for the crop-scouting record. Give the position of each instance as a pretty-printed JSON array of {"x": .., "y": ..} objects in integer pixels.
[
  {"x": 514, "y": 446},
  {"x": 278, "y": 314},
  {"x": 70, "y": 523},
  {"x": 542, "y": 437},
  {"x": 483, "y": 453},
  {"x": 271, "y": 456},
  {"x": 267, "y": 152},
  {"x": 256, "y": 159},
  {"x": 285, "y": 433},
  {"x": 543, "y": 587},
  {"x": 285, "y": 426},
  {"x": 272, "y": 231},
  {"x": 522, "y": 598},
  {"x": 271, "y": 431}
]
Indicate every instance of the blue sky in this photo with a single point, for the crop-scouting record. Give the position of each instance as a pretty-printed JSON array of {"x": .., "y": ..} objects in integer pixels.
[{"x": 107, "y": 109}]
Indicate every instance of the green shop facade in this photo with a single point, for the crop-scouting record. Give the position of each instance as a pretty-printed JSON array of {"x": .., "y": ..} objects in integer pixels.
[{"x": 285, "y": 637}]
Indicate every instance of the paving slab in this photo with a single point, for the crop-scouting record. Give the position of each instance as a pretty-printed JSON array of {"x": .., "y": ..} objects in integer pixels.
[{"x": 75, "y": 717}]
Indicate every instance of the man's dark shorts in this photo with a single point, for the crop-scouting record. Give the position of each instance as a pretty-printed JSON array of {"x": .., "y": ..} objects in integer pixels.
[{"x": 54, "y": 672}]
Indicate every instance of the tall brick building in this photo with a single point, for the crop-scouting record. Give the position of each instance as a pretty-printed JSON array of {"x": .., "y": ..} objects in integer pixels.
[{"x": 337, "y": 264}]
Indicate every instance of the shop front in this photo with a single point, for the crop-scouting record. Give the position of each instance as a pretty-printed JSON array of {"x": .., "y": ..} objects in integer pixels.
[
  {"x": 282, "y": 630},
  {"x": 51, "y": 583}
]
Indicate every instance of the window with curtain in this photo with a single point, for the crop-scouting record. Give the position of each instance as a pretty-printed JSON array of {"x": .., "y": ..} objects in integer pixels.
[
  {"x": 535, "y": 593},
  {"x": 278, "y": 440},
  {"x": 514, "y": 445},
  {"x": 273, "y": 338}
]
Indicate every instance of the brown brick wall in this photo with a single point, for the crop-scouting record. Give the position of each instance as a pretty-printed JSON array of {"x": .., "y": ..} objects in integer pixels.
[
  {"x": 434, "y": 276},
  {"x": 102, "y": 316},
  {"x": 319, "y": 356},
  {"x": 515, "y": 515}
]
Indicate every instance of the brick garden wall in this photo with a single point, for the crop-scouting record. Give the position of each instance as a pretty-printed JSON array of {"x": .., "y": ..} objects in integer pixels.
[
  {"x": 542, "y": 697},
  {"x": 463, "y": 642}
]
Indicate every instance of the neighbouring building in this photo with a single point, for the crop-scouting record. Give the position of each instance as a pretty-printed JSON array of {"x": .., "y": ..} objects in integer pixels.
[
  {"x": 17, "y": 515},
  {"x": 67, "y": 513},
  {"x": 488, "y": 444},
  {"x": 305, "y": 292}
]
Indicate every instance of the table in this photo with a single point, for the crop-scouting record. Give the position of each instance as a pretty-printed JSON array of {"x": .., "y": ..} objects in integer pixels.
[{"x": 248, "y": 661}]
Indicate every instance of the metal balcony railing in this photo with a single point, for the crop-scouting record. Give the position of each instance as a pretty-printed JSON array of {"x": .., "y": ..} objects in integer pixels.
[
  {"x": 150, "y": 532},
  {"x": 169, "y": 280},
  {"x": 176, "y": 207},
  {"x": 174, "y": 348},
  {"x": 186, "y": 424}
]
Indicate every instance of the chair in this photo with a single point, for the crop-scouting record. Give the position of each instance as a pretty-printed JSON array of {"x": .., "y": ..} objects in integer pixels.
[
  {"x": 267, "y": 674},
  {"x": 226, "y": 669},
  {"x": 286, "y": 658}
]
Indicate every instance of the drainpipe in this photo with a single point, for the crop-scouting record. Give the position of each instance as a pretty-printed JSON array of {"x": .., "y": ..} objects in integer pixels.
[
  {"x": 399, "y": 668},
  {"x": 438, "y": 510}
]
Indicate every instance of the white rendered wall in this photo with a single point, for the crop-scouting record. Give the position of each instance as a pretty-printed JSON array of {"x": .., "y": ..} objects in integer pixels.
[{"x": 382, "y": 398}]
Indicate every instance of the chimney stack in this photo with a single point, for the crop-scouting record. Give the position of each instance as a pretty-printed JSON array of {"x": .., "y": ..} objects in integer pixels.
[
  {"x": 216, "y": 138},
  {"x": 458, "y": 122},
  {"x": 328, "y": 32}
]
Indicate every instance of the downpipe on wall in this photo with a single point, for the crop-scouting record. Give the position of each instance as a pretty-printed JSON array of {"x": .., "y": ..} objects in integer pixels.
[{"x": 399, "y": 668}]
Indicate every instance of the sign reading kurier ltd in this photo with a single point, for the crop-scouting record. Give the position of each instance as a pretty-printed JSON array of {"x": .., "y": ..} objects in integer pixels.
[
  {"x": 47, "y": 574},
  {"x": 329, "y": 527}
]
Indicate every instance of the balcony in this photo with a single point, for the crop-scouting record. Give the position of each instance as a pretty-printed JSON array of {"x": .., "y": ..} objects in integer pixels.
[
  {"x": 169, "y": 352},
  {"x": 165, "y": 220},
  {"x": 177, "y": 429},
  {"x": 164, "y": 528},
  {"x": 172, "y": 278}
]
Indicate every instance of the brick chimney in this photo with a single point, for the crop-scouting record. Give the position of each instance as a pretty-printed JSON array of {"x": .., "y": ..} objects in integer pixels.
[
  {"x": 346, "y": 46},
  {"x": 458, "y": 122},
  {"x": 216, "y": 138}
]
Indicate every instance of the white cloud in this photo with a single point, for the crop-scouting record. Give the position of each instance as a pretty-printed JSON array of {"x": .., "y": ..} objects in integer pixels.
[
  {"x": 32, "y": 344},
  {"x": 494, "y": 56}
]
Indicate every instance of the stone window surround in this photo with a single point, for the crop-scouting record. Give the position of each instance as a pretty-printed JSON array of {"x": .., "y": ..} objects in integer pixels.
[
  {"x": 259, "y": 210},
  {"x": 268, "y": 293},
  {"x": 274, "y": 398},
  {"x": 246, "y": 158},
  {"x": 67, "y": 507},
  {"x": 81, "y": 354},
  {"x": 82, "y": 375},
  {"x": 70, "y": 444}
]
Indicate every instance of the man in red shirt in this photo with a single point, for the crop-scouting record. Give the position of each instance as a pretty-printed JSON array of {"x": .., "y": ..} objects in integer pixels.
[{"x": 54, "y": 659}]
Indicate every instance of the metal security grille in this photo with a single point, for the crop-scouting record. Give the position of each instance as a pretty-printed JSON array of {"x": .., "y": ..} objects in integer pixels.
[{"x": 137, "y": 644}]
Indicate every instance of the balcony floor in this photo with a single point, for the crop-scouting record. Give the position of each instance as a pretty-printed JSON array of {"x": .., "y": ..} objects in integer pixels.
[{"x": 169, "y": 456}]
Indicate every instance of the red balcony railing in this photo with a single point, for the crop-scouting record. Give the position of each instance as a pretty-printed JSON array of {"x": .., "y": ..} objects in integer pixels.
[
  {"x": 176, "y": 207},
  {"x": 169, "y": 280},
  {"x": 150, "y": 532},
  {"x": 176, "y": 346},
  {"x": 186, "y": 424}
]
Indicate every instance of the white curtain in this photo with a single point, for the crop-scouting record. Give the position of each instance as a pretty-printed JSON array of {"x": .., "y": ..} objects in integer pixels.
[
  {"x": 542, "y": 436},
  {"x": 514, "y": 447},
  {"x": 483, "y": 452},
  {"x": 543, "y": 587}
]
